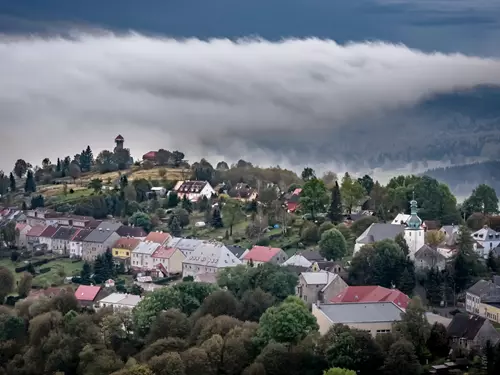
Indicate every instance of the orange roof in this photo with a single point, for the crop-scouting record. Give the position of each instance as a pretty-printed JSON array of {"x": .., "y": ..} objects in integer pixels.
[
  {"x": 126, "y": 243},
  {"x": 261, "y": 253},
  {"x": 157, "y": 237},
  {"x": 372, "y": 293},
  {"x": 163, "y": 252},
  {"x": 87, "y": 292}
]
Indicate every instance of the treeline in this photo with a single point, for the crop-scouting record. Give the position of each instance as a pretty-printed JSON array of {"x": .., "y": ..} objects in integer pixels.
[
  {"x": 245, "y": 325},
  {"x": 463, "y": 178}
]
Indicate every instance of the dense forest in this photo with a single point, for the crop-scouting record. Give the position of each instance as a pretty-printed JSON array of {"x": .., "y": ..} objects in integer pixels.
[{"x": 462, "y": 179}]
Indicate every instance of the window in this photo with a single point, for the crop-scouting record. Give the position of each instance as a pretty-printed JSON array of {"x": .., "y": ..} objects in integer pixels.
[
  {"x": 128, "y": 253},
  {"x": 116, "y": 252}
]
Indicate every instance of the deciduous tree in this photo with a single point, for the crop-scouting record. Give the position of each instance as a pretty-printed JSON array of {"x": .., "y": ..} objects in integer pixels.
[
  {"x": 314, "y": 197},
  {"x": 6, "y": 283},
  {"x": 332, "y": 245},
  {"x": 287, "y": 323},
  {"x": 352, "y": 192}
]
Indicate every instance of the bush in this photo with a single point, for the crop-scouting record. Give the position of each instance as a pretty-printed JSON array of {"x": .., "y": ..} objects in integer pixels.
[
  {"x": 21, "y": 269},
  {"x": 39, "y": 253},
  {"x": 71, "y": 191},
  {"x": 14, "y": 256},
  {"x": 263, "y": 242},
  {"x": 11, "y": 300},
  {"x": 44, "y": 270},
  {"x": 166, "y": 280}
]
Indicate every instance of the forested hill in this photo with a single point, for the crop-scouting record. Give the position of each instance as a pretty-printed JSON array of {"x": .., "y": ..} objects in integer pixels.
[{"x": 463, "y": 178}]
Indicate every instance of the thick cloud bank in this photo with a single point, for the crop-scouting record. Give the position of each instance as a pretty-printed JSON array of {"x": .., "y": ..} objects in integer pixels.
[{"x": 214, "y": 98}]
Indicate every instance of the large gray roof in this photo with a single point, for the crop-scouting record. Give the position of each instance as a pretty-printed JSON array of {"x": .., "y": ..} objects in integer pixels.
[
  {"x": 482, "y": 287},
  {"x": 102, "y": 232},
  {"x": 369, "y": 312},
  {"x": 380, "y": 231}
]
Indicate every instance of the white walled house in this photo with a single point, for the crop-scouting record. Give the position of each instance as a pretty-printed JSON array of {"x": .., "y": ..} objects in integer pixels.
[
  {"x": 401, "y": 219},
  {"x": 46, "y": 236},
  {"x": 487, "y": 238},
  {"x": 21, "y": 235},
  {"x": 142, "y": 256},
  {"x": 119, "y": 301},
  {"x": 76, "y": 243},
  {"x": 193, "y": 190},
  {"x": 377, "y": 232},
  {"x": 209, "y": 257}
]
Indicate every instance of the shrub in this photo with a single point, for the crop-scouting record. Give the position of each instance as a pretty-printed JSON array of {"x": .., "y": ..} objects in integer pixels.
[
  {"x": 263, "y": 242},
  {"x": 39, "y": 253},
  {"x": 71, "y": 191},
  {"x": 14, "y": 256},
  {"x": 44, "y": 270}
]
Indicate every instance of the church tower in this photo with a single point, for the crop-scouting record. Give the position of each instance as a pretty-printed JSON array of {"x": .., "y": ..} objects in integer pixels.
[
  {"x": 414, "y": 232},
  {"x": 119, "y": 140}
]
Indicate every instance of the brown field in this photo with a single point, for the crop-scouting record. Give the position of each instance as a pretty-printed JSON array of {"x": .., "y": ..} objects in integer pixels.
[{"x": 172, "y": 174}]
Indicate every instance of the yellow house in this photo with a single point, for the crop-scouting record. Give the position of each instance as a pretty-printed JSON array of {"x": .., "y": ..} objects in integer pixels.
[
  {"x": 122, "y": 249},
  {"x": 489, "y": 312}
]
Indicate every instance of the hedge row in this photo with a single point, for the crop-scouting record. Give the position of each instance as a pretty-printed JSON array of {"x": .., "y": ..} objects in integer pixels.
[
  {"x": 166, "y": 280},
  {"x": 45, "y": 270}
]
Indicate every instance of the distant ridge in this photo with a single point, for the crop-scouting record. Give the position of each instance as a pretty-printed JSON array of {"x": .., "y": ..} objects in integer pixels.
[{"x": 463, "y": 178}]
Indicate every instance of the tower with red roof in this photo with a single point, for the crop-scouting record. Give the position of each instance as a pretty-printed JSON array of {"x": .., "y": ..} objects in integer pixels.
[{"x": 119, "y": 140}]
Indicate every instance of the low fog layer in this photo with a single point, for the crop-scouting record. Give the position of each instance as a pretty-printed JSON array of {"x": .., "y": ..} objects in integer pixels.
[{"x": 270, "y": 103}]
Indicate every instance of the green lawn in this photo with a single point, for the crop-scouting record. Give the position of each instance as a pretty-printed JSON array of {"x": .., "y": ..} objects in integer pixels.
[
  {"x": 70, "y": 198},
  {"x": 59, "y": 270}
]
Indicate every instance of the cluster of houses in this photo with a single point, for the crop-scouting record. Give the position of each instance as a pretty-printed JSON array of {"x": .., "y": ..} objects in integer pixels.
[{"x": 424, "y": 255}]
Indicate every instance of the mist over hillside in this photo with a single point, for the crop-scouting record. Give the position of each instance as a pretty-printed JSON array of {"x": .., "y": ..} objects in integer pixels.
[
  {"x": 462, "y": 179},
  {"x": 391, "y": 84}
]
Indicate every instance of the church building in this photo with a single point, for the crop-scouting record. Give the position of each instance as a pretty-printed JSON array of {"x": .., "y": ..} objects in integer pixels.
[{"x": 414, "y": 232}]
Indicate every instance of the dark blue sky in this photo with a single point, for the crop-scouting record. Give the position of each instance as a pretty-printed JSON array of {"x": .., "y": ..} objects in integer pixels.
[{"x": 472, "y": 27}]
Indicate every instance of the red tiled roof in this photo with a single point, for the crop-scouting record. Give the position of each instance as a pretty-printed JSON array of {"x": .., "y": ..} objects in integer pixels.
[
  {"x": 119, "y": 138},
  {"x": 36, "y": 231},
  {"x": 126, "y": 243},
  {"x": 292, "y": 206},
  {"x": 261, "y": 253},
  {"x": 86, "y": 292},
  {"x": 163, "y": 252},
  {"x": 150, "y": 155},
  {"x": 49, "y": 231},
  {"x": 158, "y": 237},
  {"x": 372, "y": 293}
]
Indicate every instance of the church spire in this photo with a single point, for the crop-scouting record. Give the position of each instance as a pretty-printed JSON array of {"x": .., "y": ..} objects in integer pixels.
[{"x": 414, "y": 222}]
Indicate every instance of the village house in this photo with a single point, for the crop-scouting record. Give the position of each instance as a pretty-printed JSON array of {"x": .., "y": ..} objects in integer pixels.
[
  {"x": 428, "y": 257},
  {"x": 377, "y": 232},
  {"x": 292, "y": 203},
  {"x": 119, "y": 301},
  {"x": 33, "y": 236},
  {"x": 238, "y": 251},
  {"x": 61, "y": 240},
  {"x": 122, "y": 250},
  {"x": 472, "y": 332},
  {"x": 86, "y": 295},
  {"x": 482, "y": 293},
  {"x": 100, "y": 240},
  {"x": 373, "y": 317},
  {"x": 319, "y": 286},
  {"x": 372, "y": 293},
  {"x": 193, "y": 190},
  {"x": 243, "y": 192},
  {"x": 41, "y": 216},
  {"x": 159, "y": 191},
  {"x": 186, "y": 245},
  {"x": 401, "y": 219},
  {"x": 488, "y": 239},
  {"x": 46, "y": 236},
  {"x": 265, "y": 254},
  {"x": 142, "y": 256},
  {"x": 169, "y": 260},
  {"x": 209, "y": 257},
  {"x": 131, "y": 231},
  {"x": 161, "y": 238},
  {"x": 22, "y": 229},
  {"x": 76, "y": 243}
]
